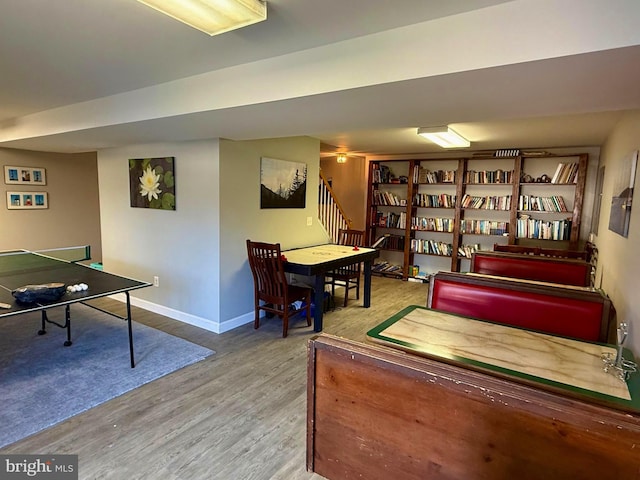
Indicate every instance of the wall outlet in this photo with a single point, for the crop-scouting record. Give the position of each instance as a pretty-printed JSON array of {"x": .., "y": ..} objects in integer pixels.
[
  {"x": 156, "y": 281},
  {"x": 309, "y": 221}
]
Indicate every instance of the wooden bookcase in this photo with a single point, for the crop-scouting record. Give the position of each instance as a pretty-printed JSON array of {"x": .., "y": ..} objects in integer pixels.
[{"x": 435, "y": 212}]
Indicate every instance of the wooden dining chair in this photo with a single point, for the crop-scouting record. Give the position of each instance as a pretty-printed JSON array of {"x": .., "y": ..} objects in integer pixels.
[
  {"x": 349, "y": 276},
  {"x": 273, "y": 293}
]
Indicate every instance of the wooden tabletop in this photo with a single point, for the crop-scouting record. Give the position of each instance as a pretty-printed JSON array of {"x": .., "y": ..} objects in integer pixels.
[{"x": 562, "y": 363}]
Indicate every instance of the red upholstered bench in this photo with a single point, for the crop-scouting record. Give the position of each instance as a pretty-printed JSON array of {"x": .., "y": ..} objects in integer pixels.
[
  {"x": 566, "y": 271},
  {"x": 580, "y": 313}
]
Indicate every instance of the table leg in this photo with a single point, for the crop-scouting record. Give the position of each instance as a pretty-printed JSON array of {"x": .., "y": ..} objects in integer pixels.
[
  {"x": 133, "y": 363},
  {"x": 367, "y": 284},
  {"x": 318, "y": 301}
]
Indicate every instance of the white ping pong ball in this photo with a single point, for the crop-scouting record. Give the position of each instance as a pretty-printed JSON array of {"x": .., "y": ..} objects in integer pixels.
[{"x": 84, "y": 286}]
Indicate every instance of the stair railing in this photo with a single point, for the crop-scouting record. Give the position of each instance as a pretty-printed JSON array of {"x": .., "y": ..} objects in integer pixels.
[{"x": 330, "y": 213}]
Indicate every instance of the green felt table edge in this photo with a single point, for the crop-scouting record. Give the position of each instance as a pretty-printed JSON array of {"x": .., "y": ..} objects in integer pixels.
[{"x": 633, "y": 383}]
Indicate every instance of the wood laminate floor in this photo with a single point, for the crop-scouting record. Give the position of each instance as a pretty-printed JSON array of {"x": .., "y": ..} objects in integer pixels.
[{"x": 238, "y": 415}]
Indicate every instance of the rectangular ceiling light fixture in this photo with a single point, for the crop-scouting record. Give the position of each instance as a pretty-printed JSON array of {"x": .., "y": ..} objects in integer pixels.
[
  {"x": 444, "y": 136},
  {"x": 212, "y": 16}
]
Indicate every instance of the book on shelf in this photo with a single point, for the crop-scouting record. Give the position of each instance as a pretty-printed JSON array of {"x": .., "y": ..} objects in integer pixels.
[
  {"x": 433, "y": 224},
  {"x": 380, "y": 241},
  {"x": 431, "y": 247},
  {"x": 391, "y": 219},
  {"x": 489, "y": 202},
  {"x": 484, "y": 227},
  {"x": 554, "y": 203},
  {"x": 422, "y": 175},
  {"x": 489, "y": 176},
  {"x": 466, "y": 251},
  {"x": 442, "y": 200},
  {"x": 565, "y": 173},
  {"x": 533, "y": 228}
]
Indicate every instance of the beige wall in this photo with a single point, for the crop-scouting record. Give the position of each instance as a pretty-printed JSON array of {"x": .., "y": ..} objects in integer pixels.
[
  {"x": 618, "y": 262},
  {"x": 349, "y": 183},
  {"x": 73, "y": 216}
]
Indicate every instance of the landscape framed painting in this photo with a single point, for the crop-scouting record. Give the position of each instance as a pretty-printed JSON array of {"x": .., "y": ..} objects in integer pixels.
[
  {"x": 152, "y": 183},
  {"x": 283, "y": 184}
]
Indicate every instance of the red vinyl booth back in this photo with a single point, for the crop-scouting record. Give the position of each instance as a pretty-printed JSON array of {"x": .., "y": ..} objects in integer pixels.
[
  {"x": 532, "y": 268},
  {"x": 570, "y": 317}
]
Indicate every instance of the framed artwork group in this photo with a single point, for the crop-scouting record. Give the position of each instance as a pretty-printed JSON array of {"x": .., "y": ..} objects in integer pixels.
[
  {"x": 27, "y": 200},
  {"x": 25, "y": 176}
]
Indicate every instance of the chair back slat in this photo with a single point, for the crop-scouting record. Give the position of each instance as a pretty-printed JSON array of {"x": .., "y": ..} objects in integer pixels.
[
  {"x": 265, "y": 261},
  {"x": 354, "y": 238},
  {"x": 351, "y": 237}
]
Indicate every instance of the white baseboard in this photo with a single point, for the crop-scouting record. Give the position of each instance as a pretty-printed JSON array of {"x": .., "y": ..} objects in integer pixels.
[{"x": 212, "y": 326}]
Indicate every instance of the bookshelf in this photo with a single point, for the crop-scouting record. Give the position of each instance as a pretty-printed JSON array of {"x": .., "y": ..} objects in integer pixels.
[{"x": 432, "y": 214}]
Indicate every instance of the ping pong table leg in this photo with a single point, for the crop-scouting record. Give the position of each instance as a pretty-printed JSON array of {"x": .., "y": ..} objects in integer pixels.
[
  {"x": 133, "y": 364},
  {"x": 43, "y": 330},
  {"x": 66, "y": 326},
  {"x": 67, "y": 318}
]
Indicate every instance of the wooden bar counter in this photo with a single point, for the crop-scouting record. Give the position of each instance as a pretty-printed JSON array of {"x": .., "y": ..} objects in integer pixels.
[{"x": 472, "y": 400}]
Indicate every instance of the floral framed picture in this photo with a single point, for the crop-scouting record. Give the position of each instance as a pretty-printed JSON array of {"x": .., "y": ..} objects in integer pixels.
[
  {"x": 27, "y": 200},
  {"x": 24, "y": 175},
  {"x": 152, "y": 183}
]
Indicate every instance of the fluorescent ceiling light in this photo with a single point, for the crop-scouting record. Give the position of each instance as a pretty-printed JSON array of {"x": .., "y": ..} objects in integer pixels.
[
  {"x": 212, "y": 16},
  {"x": 444, "y": 136}
]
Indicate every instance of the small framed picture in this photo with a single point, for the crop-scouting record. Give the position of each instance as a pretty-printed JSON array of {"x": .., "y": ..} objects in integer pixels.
[
  {"x": 24, "y": 175},
  {"x": 27, "y": 200}
]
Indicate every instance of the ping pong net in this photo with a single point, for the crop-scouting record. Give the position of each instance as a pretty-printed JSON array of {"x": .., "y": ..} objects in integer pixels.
[{"x": 13, "y": 261}]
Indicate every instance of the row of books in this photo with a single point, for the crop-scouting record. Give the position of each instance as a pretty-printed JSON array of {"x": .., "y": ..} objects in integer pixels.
[
  {"x": 381, "y": 174},
  {"x": 391, "y": 242},
  {"x": 527, "y": 227},
  {"x": 566, "y": 173},
  {"x": 554, "y": 203},
  {"x": 489, "y": 176},
  {"x": 432, "y": 224},
  {"x": 431, "y": 247},
  {"x": 442, "y": 200},
  {"x": 387, "y": 198},
  {"x": 468, "y": 250},
  {"x": 386, "y": 267},
  {"x": 495, "y": 202},
  {"x": 484, "y": 227},
  {"x": 444, "y": 249},
  {"x": 391, "y": 219},
  {"x": 422, "y": 175}
]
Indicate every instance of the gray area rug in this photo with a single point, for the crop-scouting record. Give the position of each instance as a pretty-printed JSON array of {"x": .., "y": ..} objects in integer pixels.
[{"x": 42, "y": 382}]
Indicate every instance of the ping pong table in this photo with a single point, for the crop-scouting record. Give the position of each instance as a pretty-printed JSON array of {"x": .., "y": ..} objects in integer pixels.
[{"x": 19, "y": 268}]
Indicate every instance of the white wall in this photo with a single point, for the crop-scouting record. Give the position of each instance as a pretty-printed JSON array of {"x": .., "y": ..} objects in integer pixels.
[
  {"x": 73, "y": 216},
  {"x": 181, "y": 247},
  {"x": 199, "y": 250},
  {"x": 619, "y": 262}
]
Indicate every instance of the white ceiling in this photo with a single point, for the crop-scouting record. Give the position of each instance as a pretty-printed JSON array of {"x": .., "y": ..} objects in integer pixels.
[{"x": 81, "y": 75}]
